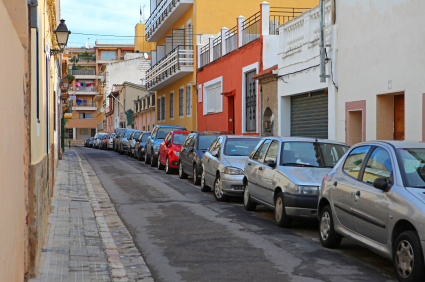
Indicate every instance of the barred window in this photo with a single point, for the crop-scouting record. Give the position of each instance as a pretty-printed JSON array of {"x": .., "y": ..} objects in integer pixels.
[
  {"x": 163, "y": 108},
  {"x": 181, "y": 102},
  {"x": 159, "y": 109},
  {"x": 172, "y": 105},
  {"x": 188, "y": 100}
]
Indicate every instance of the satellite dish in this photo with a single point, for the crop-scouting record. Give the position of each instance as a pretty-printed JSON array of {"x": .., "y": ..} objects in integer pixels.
[
  {"x": 102, "y": 110},
  {"x": 87, "y": 45},
  {"x": 146, "y": 55}
]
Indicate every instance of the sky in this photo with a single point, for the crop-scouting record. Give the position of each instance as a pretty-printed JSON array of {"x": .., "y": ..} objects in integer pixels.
[{"x": 106, "y": 17}]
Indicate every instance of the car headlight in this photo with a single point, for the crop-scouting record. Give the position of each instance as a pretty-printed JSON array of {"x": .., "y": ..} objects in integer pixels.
[
  {"x": 233, "y": 170},
  {"x": 306, "y": 190},
  {"x": 177, "y": 153}
]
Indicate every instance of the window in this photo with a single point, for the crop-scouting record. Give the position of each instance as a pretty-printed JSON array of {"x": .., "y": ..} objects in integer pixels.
[
  {"x": 378, "y": 165},
  {"x": 179, "y": 138},
  {"x": 69, "y": 133},
  {"x": 211, "y": 148},
  {"x": 163, "y": 108},
  {"x": 159, "y": 109},
  {"x": 108, "y": 55},
  {"x": 188, "y": 100},
  {"x": 205, "y": 141},
  {"x": 241, "y": 146},
  {"x": 86, "y": 115},
  {"x": 259, "y": 155},
  {"x": 272, "y": 152},
  {"x": 149, "y": 101},
  {"x": 93, "y": 132},
  {"x": 172, "y": 105},
  {"x": 213, "y": 99},
  {"x": 354, "y": 161},
  {"x": 84, "y": 131},
  {"x": 181, "y": 102}
]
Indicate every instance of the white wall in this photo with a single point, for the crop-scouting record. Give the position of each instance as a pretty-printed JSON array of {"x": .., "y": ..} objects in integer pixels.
[{"x": 383, "y": 42}]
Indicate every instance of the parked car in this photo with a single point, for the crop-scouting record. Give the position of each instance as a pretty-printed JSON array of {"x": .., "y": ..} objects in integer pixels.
[
  {"x": 110, "y": 143},
  {"x": 169, "y": 150},
  {"x": 376, "y": 196},
  {"x": 223, "y": 165},
  {"x": 91, "y": 142},
  {"x": 96, "y": 141},
  {"x": 104, "y": 142},
  {"x": 124, "y": 143},
  {"x": 86, "y": 142},
  {"x": 117, "y": 136},
  {"x": 140, "y": 148},
  {"x": 285, "y": 175},
  {"x": 157, "y": 136},
  {"x": 132, "y": 142},
  {"x": 191, "y": 153}
]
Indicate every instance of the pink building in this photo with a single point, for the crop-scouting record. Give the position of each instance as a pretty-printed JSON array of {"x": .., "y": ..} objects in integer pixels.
[{"x": 144, "y": 112}]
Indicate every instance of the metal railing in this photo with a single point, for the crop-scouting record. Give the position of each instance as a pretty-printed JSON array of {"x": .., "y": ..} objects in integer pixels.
[
  {"x": 181, "y": 56},
  {"x": 281, "y": 15},
  {"x": 82, "y": 104},
  {"x": 81, "y": 88},
  {"x": 251, "y": 28},
  {"x": 87, "y": 58},
  {"x": 231, "y": 39},
  {"x": 217, "y": 48},
  {"x": 205, "y": 55},
  {"x": 83, "y": 72},
  {"x": 158, "y": 16}
]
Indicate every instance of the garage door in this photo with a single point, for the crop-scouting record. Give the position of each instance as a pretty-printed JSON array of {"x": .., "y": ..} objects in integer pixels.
[{"x": 309, "y": 115}]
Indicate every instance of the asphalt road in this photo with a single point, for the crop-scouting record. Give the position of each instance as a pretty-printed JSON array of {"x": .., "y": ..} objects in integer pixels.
[{"x": 186, "y": 235}]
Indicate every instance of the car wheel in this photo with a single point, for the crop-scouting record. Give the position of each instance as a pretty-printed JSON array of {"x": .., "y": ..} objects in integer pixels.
[
  {"x": 328, "y": 237},
  {"x": 160, "y": 165},
  {"x": 196, "y": 179},
  {"x": 218, "y": 190},
  {"x": 168, "y": 169},
  {"x": 182, "y": 175},
  {"x": 128, "y": 152},
  {"x": 204, "y": 187},
  {"x": 154, "y": 161},
  {"x": 280, "y": 217},
  {"x": 408, "y": 259},
  {"x": 248, "y": 204},
  {"x": 139, "y": 156},
  {"x": 147, "y": 159}
]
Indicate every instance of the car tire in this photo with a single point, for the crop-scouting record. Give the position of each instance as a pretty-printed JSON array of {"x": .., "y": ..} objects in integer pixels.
[
  {"x": 248, "y": 203},
  {"x": 160, "y": 165},
  {"x": 218, "y": 190},
  {"x": 328, "y": 237},
  {"x": 182, "y": 175},
  {"x": 134, "y": 154},
  {"x": 280, "y": 217},
  {"x": 147, "y": 159},
  {"x": 139, "y": 156},
  {"x": 154, "y": 161},
  {"x": 204, "y": 187},
  {"x": 408, "y": 258},
  {"x": 128, "y": 152},
  {"x": 196, "y": 179},
  {"x": 168, "y": 169}
]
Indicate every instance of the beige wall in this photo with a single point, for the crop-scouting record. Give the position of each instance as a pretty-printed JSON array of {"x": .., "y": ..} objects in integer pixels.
[{"x": 12, "y": 122}]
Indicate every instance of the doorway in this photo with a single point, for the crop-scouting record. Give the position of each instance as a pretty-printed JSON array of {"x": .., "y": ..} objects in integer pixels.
[
  {"x": 399, "y": 117},
  {"x": 354, "y": 127},
  {"x": 390, "y": 117}
]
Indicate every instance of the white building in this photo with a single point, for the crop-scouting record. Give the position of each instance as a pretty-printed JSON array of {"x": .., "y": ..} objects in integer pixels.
[{"x": 306, "y": 106}]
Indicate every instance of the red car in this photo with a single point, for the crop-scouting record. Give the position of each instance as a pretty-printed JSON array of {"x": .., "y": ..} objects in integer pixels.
[{"x": 169, "y": 150}]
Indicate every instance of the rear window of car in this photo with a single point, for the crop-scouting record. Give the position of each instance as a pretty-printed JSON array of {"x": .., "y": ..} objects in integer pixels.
[
  {"x": 137, "y": 134},
  {"x": 128, "y": 134},
  {"x": 205, "y": 141},
  {"x": 240, "y": 146},
  {"x": 145, "y": 137},
  {"x": 164, "y": 130},
  {"x": 178, "y": 138}
]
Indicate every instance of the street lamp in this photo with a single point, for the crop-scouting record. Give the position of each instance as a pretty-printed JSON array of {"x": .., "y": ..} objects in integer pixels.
[
  {"x": 62, "y": 34},
  {"x": 65, "y": 84}
]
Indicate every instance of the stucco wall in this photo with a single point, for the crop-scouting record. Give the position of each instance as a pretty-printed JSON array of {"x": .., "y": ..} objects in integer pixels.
[
  {"x": 270, "y": 100},
  {"x": 383, "y": 42},
  {"x": 12, "y": 169}
]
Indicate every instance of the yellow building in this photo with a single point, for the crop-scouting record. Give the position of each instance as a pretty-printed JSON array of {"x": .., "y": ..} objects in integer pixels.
[
  {"x": 140, "y": 43},
  {"x": 177, "y": 27}
]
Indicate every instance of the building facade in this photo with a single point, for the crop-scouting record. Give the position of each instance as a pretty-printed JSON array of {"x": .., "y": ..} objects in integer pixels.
[{"x": 144, "y": 112}]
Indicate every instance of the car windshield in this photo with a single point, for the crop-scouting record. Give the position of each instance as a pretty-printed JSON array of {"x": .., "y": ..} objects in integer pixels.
[
  {"x": 179, "y": 138},
  {"x": 145, "y": 137},
  {"x": 164, "y": 130},
  {"x": 413, "y": 164},
  {"x": 205, "y": 141},
  {"x": 137, "y": 135},
  {"x": 240, "y": 146},
  {"x": 312, "y": 154},
  {"x": 128, "y": 133}
]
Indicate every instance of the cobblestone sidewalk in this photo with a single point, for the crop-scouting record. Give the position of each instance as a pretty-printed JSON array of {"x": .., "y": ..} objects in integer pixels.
[{"x": 80, "y": 245}]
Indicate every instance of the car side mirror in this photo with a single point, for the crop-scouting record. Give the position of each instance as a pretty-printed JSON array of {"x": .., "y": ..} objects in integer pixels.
[
  {"x": 271, "y": 163},
  {"x": 191, "y": 149},
  {"x": 166, "y": 143},
  {"x": 380, "y": 183}
]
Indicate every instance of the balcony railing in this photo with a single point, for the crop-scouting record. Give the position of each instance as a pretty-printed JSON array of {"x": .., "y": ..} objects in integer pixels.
[
  {"x": 181, "y": 56},
  {"x": 281, "y": 15},
  {"x": 231, "y": 38},
  {"x": 158, "y": 16},
  {"x": 251, "y": 28},
  {"x": 92, "y": 59},
  {"x": 217, "y": 48},
  {"x": 83, "y": 72},
  {"x": 205, "y": 55},
  {"x": 88, "y": 89},
  {"x": 82, "y": 104}
]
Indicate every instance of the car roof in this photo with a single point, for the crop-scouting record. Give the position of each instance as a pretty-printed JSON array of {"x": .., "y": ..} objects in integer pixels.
[
  {"x": 180, "y": 131},
  {"x": 397, "y": 143},
  {"x": 243, "y": 136},
  {"x": 176, "y": 126},
  {"x": 306, "y": 139}
]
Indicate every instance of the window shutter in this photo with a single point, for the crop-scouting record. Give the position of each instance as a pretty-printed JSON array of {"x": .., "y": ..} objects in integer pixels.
[{"x": 218, "y": 99}]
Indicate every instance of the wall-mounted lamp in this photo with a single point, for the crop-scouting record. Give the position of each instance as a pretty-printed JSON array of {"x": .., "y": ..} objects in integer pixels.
[{"x": 62, "y": 35}]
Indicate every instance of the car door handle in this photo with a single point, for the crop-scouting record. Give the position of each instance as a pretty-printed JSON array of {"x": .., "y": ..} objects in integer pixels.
[
  {"x": 358, "y": 193},
  {"x": 260, "y": 168},
  {"x": 249, "y": 163}
]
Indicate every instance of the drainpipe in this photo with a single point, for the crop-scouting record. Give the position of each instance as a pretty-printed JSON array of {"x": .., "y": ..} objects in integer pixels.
[{"x": 261, "y": 110}]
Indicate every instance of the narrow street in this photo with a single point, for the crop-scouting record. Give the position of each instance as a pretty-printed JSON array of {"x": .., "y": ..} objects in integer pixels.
[{"x": 186, "y": 235}]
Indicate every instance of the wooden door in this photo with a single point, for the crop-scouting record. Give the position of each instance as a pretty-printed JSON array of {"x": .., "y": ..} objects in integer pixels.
[{"x": 399, "y": 117}]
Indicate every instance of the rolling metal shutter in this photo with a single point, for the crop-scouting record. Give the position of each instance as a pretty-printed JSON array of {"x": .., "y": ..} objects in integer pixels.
[{"x": 309, "y": 115}]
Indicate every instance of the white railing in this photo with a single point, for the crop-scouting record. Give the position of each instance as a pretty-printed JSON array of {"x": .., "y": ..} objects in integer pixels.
[
  {"x": 159, "y": 15},
  {"x": 181, "y": 56}
]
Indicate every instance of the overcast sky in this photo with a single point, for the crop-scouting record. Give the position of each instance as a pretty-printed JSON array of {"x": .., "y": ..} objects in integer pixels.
[{"x": 109, "y": 17}]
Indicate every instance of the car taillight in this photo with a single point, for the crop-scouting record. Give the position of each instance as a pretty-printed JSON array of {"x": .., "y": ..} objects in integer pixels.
[{"x": 324, "y": 178}]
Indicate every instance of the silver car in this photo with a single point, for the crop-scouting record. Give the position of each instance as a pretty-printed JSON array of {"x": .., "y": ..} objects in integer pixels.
[
  {"x": 110, "y": 142},
  {"x": 285, "y": 174},
  {"x": 97, "y": 139},
  {"x": 124, "y": 143},
  {"x": 223, "y": 165},
  {"x": 375, "y": 196},
  {"x": 132, "y": 142}
]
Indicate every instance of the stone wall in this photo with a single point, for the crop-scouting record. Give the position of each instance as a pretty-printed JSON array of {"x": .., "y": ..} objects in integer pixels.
[
  {"x": 269, "y": 89},
  {"x": 39, "y": 202}
]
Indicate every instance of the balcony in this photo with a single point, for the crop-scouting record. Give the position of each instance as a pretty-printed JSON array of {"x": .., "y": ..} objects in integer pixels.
[
  {"x": 80, "y": 90},
  {"x": 164, "y": 17},
  {"x": 84, "y": 106},
  {"x": 85, "y": 74},
  {"x": 175, "y": 65}
]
